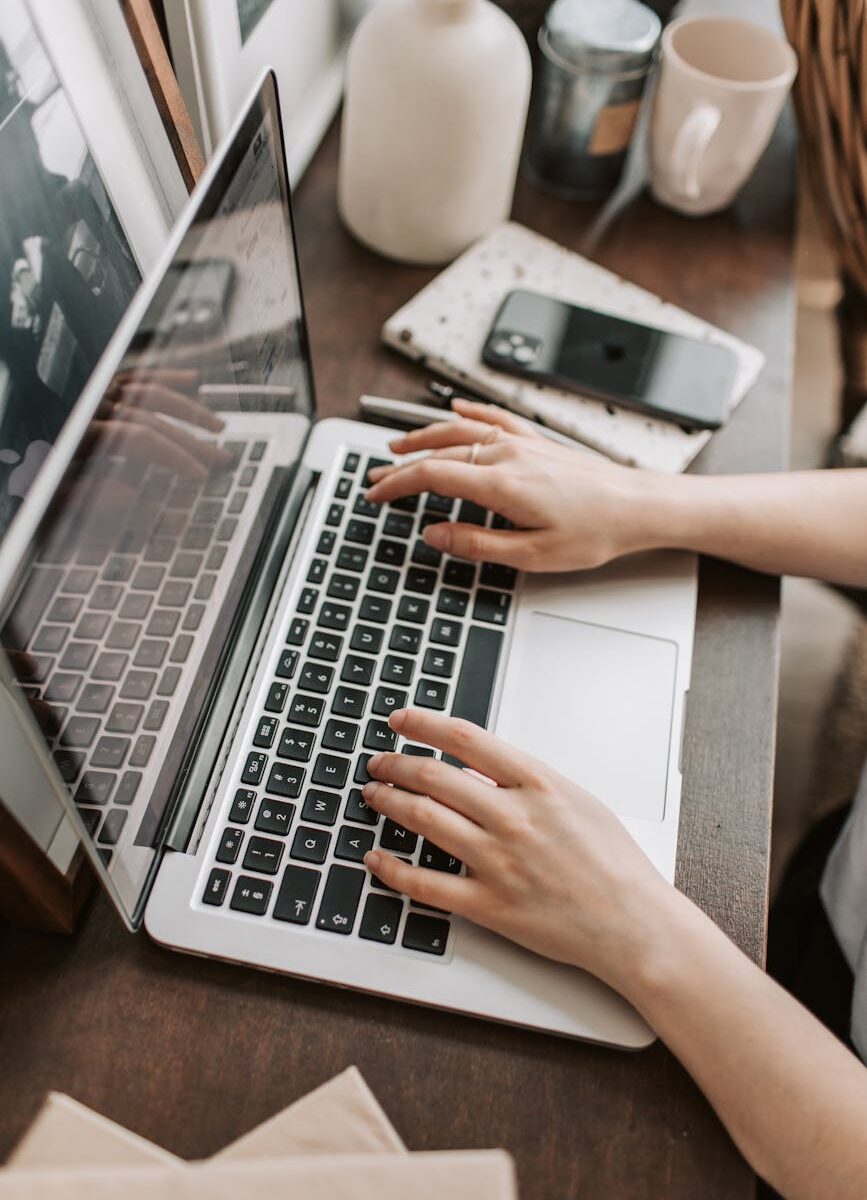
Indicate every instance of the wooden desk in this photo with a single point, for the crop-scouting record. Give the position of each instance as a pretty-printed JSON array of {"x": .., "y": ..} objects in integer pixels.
[{"x": 192, "y": 1053}]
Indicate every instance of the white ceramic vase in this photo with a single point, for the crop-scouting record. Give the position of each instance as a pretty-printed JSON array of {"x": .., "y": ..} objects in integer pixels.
[{"x": 436, "y": 101}]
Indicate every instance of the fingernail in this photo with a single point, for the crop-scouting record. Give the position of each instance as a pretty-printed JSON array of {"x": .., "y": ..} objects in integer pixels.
[
  {"x": 368, "y": 790},
  {"x": 375, "y": 472},
  {"x": 374, "y": 762},
  {"x": 396, "y": 719},
  {"x": 438, "y": 536},
  {"x": 372, "y": 860}
]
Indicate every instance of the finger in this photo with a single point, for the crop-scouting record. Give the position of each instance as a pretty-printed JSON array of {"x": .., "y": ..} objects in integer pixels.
[
  {"x": 471, "y": 798},
  {"x": 441, "y": 825},
  {"x": 156, "y": 398},
  {"x": 200, "y": 449},
  {"x": 453, "y": 893},
  {"x": 147, "y": 445},
  {"x": 468, "y": 743},
  {"x": 435, "y": 436},
  {"x": 512, "y": 548},
  {"x": 449, "y": 478},
  {"x": 491, "y": 414}
]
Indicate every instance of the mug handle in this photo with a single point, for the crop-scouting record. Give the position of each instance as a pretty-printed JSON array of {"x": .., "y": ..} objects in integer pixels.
[{"x": 693, "y": 139}]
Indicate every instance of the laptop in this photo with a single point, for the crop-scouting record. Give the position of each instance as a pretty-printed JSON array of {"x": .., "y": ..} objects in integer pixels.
[{"x": 207, "y": 626}]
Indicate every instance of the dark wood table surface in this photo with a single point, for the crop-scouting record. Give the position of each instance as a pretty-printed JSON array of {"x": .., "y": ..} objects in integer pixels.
[{"x": 192, "y": 1053}]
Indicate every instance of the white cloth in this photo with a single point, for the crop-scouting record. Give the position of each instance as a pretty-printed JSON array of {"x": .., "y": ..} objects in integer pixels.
[{"x": 844, "y": 894}]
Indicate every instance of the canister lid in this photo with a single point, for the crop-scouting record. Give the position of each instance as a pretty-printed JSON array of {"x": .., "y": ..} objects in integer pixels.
[{"x": 602, "y": 35}]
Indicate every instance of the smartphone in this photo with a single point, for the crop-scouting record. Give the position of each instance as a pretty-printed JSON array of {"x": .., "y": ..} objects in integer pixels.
[{"x": 680, "y": 379}]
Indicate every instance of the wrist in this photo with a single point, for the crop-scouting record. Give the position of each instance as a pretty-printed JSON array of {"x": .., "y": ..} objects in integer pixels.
[{"x": 673, "y": 512}]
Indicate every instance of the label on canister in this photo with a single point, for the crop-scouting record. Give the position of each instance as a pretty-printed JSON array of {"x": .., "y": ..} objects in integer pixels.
[{"x": 614, "y": 127}]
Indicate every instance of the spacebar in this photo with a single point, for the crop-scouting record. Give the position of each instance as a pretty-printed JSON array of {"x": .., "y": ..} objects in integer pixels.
[{"x": 478, "y": 671}]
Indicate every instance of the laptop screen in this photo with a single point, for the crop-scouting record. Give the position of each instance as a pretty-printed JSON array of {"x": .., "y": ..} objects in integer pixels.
[{"x": 154, "y": 509}]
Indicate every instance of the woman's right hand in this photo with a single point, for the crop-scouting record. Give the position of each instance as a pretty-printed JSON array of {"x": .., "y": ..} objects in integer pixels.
[{"x": 570, "y": 510}]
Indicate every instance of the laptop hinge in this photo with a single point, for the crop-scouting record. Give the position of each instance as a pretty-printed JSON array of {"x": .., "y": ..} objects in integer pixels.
[{"x": 206, "y": 772}]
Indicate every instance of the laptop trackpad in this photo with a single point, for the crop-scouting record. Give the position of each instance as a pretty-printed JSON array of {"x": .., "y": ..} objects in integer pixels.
[{"x": 596, "y": 704}]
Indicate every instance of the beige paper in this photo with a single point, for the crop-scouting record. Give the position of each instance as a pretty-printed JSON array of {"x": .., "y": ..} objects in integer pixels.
[
  {"x": 460, "y": 1175},
  {"x": 340, "y": 1117}
]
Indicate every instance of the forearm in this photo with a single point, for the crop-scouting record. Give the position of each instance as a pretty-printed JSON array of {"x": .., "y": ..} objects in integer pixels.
[
  {"x": 811, "y": 523},
  {"x": 792, "y": 1097}
]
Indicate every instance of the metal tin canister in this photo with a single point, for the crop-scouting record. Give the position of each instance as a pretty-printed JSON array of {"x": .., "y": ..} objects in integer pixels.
[{"x": 594, "y": 58}]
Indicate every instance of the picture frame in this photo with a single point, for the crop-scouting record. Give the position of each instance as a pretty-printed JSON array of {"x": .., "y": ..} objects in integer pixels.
[{"x": 219, "y": 48}]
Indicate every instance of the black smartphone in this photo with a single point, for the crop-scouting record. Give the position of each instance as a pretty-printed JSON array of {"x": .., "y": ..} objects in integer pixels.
[{"x": 667, "y": 375}]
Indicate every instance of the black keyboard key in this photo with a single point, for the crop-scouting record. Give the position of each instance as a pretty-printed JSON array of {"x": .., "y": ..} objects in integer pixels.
[
  {"x": 306, "y": 710},
  {"x": 77, "y": 656},
  {"x": 360, "y": 532},
  {"x": 254, "y": 768},
  {"x": 129, "y": 785},
  {"x": 217, "y": 886},
  {"x": 390, "y": 553},
  {"x": 307, "y": 600},
  {"x": 251, "y": 895},
  {"x": 266, "y": 731},
  {"x": 372, "y": 463},
  {"x": 388, "y": 700},
  {"x": 420, "y": 580},
  {"x": 327, "y": 538},
  {"x": 175, "y": 594},
  {"x": 151, "y": 653},
  {"x": 95, "y": 787},
  {"x": 435, "y": 859},
  {"x": 94, "y": 698},
  {"x": 320, "y": 807},
  {"x": 397, "y": 839},
  {"x": 69, "y": 763},
  {"x": 180, "y": 653},
  {"x": 286, "y": 780},
  {"x": 375, "y": 608},
  {"x": 358, "y": 810},
  {"x": 357, "y": 670},
  {"x": 362, "y": 775},
  {"x": 187, "y": 564},
  {"x": 344, "y": 487},
  {"x": 197, "y": 537},
  {"x": 325, "y": 646},
  {"x": 49, "y": 639},
  {"x": 495, "y": 575},
  {"x": 384, "y": 580},
  {"x": 296, "y": 895},
  {"x": 163, "y": 623},
  {"x": 500, "y": 522},
  {"x": 397, "y": 525},
  {"x": 263, "y": 854},
  {"x": 296, "y": 744},
  {"x": 230, "y": 845},
  {"x": 316, "y": 678},
  {"x": 93, "y": 625},
  {"x": 397, "y": 670},
  {"x": 366, "y": 638},
  {"x": 452, "y": 603},
  {"x": 432, "y": 693},
  {"x": 350, "y": 465},
  {"x": 334, "y": 515},
  {"x": 379, "y": 736},
  {"x": 38, "y": 667},
  {"x": 405, "y": 639},
  {"x": 380, "y": 919},
  {"x": 225, "y": 533},
  {"x": 459, "y": 574},
  {"x": 274, "y": 816},
  {"x": 156, "y": 715},
  {"x": 349, "y": 702},
  {"x": 340, "y": 735},
  {"x": 343, "y": 587},
  {"x": 411, "y": 608},
  {"x": 242, "y": 806},
  {"x": 352, "y": 558},
  {"x": 340, "y": 899},
  {"x": 492, "y": 607},
  {"x": 471, "y": 514},
  {"x": 417, "y": 751},
  {"x": 297, "y": 632},
  {"x": 105, "y": 597},
  {"x": 276, "y": 698},
  {"x": 310, "y": 845},
  {"x": 142, "y": 750},
  {"x": 110, "y": 665},
  {"x": 475, "y": 686},
  {"x": 79, "y": 580},
  {"x": 424, "y": 555},
  {"x": 428, "y": 518},
  {"x": 428, "y": 934},
  {"x": 407, "y": 504},
  {"x": 257, "y": 451},
  {"x": 330, "y": 771},
  {"x": 318, "y": 571},
  {"x": 247, "y": 477},
  {"x": 112, "y": 826},
  {"x": 110, "y": 752},
  {"x": 124, "y": 717},
  {"x": 353, "y": 844},
  {"x": 335, "y": 616},
  {"x": 439, "y": 662},
  {"x": 445, "y": 633},
  {"x": 365, "y": 508}
]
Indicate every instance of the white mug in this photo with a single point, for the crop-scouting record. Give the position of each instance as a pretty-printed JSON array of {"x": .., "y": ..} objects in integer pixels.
[{"x": 722, "y": 84}]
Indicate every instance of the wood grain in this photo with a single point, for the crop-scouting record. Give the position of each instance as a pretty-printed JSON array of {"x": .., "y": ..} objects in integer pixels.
[{"x": 192, "y": 1053}]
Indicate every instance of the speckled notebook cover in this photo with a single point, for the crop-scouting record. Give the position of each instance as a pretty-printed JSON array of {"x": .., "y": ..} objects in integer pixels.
[{"x": 446, "y": 324}]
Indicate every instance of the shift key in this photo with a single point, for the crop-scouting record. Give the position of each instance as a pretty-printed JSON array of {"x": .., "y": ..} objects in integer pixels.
[{"x": 340, "y": 899}]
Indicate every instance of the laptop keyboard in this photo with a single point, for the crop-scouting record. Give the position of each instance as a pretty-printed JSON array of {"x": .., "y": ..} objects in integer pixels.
[
  {"x": 110, "y": 634},
  {"x": 382, "y": 620}
]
